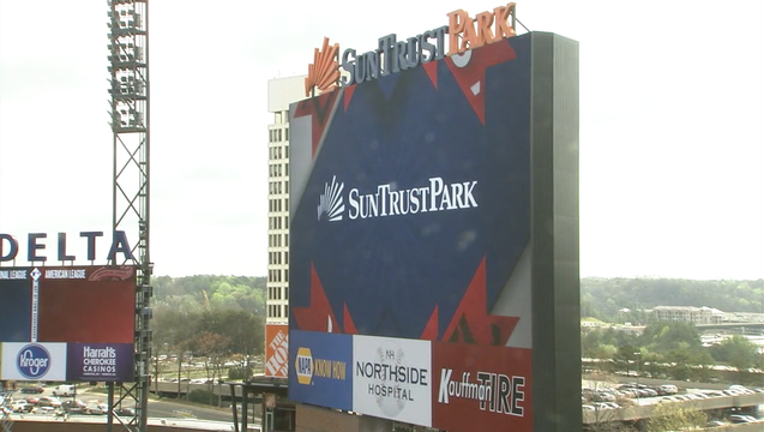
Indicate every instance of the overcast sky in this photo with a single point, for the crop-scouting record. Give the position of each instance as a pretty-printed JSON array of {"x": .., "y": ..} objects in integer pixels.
[{"x": 671, "y": 142}]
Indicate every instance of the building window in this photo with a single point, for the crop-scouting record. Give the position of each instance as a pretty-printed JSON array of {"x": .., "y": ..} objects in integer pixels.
[{"x": 286, "y": 134}]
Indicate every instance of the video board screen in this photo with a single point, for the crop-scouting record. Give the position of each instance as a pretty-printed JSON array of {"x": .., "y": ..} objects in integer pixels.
[
  {"x": 67, "y": 323},
  {"x": 411, "y": 232}
]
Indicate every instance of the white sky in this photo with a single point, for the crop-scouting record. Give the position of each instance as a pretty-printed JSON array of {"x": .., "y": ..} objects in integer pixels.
[{"x": 671, "y": 142}]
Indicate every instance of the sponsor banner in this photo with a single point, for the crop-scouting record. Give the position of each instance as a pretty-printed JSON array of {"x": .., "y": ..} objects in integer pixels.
[
  {"x": 33, "y": 361},
  {"x": 481, "y": 385},
  {"x": 276, "y": 350},
  {"x": 320, "y": 369},
  {"x": 392, "y": 379},
  {"x": 100, "y": 362}
]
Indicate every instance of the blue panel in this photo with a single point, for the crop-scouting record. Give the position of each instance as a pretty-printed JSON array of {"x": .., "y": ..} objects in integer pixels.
[
  {"x": 15, "y": 308},
  {"x": 320, "y": 369},
  {"x": 392, "y": 272}
]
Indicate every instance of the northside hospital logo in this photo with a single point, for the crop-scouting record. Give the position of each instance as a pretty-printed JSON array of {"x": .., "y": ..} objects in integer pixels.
[{"x": 388, "y": 200}]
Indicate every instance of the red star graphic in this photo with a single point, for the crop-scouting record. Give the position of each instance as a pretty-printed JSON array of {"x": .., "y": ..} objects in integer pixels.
[
  {"x": 471, "y": 77},
  {"x": 319, "y": 108},
  {"x": 319, "y": 316},
  {"x": 471, "y": 322}
]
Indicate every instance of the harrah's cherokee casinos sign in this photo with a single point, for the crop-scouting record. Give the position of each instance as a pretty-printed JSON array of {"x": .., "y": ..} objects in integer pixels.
[{"x": 411, "y": 229}]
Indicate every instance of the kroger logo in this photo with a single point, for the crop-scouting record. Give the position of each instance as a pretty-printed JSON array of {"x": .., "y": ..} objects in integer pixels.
[{"x": 33, "y": 361}]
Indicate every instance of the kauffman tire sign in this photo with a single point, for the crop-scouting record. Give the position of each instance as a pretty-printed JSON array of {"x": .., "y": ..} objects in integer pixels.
[{"x": 392, "y": 378}]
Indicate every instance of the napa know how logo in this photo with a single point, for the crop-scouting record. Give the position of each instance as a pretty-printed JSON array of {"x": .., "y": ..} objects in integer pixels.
[
  {"x": 304, "y": 366},
  {"x": 389, "y": 200},
  {"x": 33, "y": 361},
  {"x": 309, "y": 368}
]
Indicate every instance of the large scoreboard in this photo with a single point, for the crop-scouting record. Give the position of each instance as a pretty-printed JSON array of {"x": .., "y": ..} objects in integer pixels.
[{"x": 67, "y": 323}]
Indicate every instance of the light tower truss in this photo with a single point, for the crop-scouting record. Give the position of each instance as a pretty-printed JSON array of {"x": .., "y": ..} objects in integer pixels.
[
  {"x": 129, "y": 113},
  {"x": 6, "y": 423}
]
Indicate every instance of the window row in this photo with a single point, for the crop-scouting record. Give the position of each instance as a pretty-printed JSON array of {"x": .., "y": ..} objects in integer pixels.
[
  {"x": 278, "y": 205},
  {"x": 278, "y": 257},
  {"x": 277, "y": 170},
  {"x": 274, "y": 293},
  {"x": 278, "y": 135},
  {"x": 275, "y": 153},
  {"x": 278, "y": 240},
  {"x": 278, "y": 187},
  {"x": 275, "y": 222},
  {"x": 278, "y": 311}
]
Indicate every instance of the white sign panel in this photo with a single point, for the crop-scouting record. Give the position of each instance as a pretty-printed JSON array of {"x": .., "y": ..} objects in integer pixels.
[
  {"x": 33, "y": 361},
  {"x": 392, "y": 379}
]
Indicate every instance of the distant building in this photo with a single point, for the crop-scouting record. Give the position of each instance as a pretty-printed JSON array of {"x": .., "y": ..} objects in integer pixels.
[
  {"x": 281, "y": 93},
  {"x": 689, "y": 314}
]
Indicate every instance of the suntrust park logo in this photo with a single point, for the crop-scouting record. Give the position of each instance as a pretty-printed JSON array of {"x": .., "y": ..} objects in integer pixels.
[
  {"x": 33, "y": 361},
  {"x": 388, "y": 200}
]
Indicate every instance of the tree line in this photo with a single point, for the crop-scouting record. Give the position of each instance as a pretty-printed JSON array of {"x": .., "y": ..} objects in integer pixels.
[
  {"x": 214, "y": 319},
  {"x": 602, "y": 298},
  {"x": 670, "y": 350}
]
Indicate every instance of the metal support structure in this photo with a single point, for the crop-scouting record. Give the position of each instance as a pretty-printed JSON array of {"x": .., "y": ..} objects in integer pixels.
[
  {"x": 6, "y": 422},
  {"x": 129, "y": 91}
]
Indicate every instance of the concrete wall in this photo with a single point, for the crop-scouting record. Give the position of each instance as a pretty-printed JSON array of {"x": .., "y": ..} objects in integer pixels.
[
  {"x": 315, "y": 419},
  {"x": 33, "y": 426}
]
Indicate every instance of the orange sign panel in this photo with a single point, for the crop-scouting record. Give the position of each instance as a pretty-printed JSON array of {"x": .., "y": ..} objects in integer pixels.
[
  {"x": 276, "y": 350},
  {"x": 323, "y": 73},
  {"x": 466, "y": 33}
]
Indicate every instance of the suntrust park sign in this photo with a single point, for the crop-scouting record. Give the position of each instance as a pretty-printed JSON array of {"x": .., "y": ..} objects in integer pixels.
[
  {"x": 390, "y": 200},
  {"x": 393, "y": 55}
]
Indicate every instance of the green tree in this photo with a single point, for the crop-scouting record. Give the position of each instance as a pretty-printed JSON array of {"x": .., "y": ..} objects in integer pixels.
[
  {"x": 663, "y": 337},
  {"x": 738, "y": 352},
  {"x": 670, "y": 417}
]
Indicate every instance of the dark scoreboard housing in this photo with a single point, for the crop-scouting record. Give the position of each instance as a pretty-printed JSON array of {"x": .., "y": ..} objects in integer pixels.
[
  {"x": 477, "y": 290},
  {"x": 76, "y": 322}
]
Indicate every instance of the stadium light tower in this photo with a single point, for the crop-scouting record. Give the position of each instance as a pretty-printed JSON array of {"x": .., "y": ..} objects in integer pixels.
[{"x": 129, "y": 91}]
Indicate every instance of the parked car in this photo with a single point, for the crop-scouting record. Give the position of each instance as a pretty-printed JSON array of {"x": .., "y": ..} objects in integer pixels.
[
  {"x": 33, "y": 389},
  {"x": 46, "y": 401},
  {"x": 667, "y": 389},
  {"x": 741, "y": 418},
  {"x": 32, "y": 400},
  {"x": 43, "y": 410},
  {"x": 125, "y": 412},
  {"x": 21, "y": 406},
  {"x": 74, "y": 406},
  {"x": 64, "y": 390},
  {"x": 741, "y": 389},
  {"x": 96, "y": 409}
]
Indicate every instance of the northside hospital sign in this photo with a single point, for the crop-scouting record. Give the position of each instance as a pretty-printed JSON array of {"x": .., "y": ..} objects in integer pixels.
[{"x": 393, "y": 56}]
